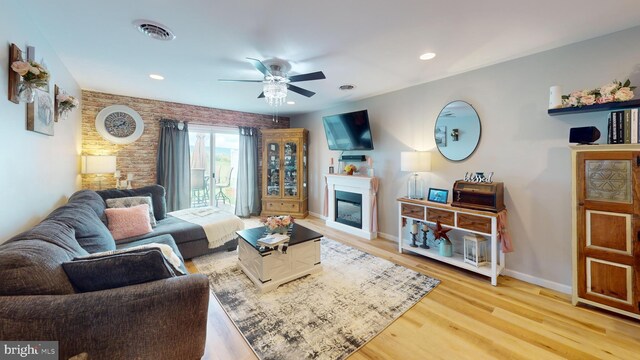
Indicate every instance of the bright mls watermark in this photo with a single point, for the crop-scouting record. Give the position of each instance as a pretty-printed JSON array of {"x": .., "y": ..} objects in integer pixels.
[{"x": 39, "y": 350}]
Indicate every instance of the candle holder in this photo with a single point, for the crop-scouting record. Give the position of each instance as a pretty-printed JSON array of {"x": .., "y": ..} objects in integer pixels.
[
  {"x": 424, "y": 239},
  {"x": 413, "y": 240},
  {"x": 414, "y": 234}
]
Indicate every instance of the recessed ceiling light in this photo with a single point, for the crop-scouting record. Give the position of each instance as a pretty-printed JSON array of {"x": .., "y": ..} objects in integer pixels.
[
  {"x": 427, "y": 56},
  {"x": 291, "y": 102},
  {"x": 156, "y": 77},
  {"x": 347, "y": 87}
]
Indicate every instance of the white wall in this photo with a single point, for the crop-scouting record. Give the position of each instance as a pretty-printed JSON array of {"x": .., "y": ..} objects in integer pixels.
[
  {"x": 38, "y": 172},
  {"x": 526, "y": 148}
]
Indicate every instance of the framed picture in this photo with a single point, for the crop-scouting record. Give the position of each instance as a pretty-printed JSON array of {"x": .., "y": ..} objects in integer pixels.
[
  {"x": 441, "y": 136},
  {"x": 438, "y": 195},
  {"x": 40, "y": 113}
]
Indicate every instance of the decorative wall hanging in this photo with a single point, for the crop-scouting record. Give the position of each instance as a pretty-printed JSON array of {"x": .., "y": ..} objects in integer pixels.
[
  {"x": 119, "y": 124},
  {"x": 40, "y": 113},
  {"x": 15, "y": 54},
  {"x": 64, "y": 103},
  {"x": 30, "y": 76}
]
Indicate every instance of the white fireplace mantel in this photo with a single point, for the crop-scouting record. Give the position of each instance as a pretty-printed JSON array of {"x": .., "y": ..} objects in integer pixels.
[{"x": 353, "y": 184}]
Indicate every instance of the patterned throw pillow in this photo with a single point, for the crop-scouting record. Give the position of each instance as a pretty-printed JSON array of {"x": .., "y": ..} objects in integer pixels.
[{"x": 127, "y": 202}]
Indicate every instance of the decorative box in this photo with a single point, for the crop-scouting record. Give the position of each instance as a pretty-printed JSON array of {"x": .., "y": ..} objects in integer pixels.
[{"x": 480, "y": 196}]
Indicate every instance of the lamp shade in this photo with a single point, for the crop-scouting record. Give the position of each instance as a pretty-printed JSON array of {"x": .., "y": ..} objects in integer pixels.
[
  {"x": 415, "y": 161},
  {"x": 95, "y": 164}
]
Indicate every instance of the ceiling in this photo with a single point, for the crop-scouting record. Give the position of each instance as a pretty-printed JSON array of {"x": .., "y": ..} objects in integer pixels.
[{"x": 372, "y": 44}]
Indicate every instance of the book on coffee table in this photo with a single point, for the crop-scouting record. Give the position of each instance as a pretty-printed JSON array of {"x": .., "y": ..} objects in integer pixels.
[{"x": 273, "y": 240}]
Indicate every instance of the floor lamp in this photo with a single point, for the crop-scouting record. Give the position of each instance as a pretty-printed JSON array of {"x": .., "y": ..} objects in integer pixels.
[
  {"x": 98, "y": 164},
  {"x": 415, "y": 162}
]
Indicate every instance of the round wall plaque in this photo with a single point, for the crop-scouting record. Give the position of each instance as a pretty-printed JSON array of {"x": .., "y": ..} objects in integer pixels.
[{"x": 119, "y": 124}]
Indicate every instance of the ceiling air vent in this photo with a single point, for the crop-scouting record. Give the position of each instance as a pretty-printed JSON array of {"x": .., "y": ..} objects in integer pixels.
[{"x": 154, "y": 30}]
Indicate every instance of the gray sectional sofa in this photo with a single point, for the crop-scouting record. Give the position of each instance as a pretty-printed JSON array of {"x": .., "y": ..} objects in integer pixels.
[
  {"x": 158, "y": 319},
  {"x": 190, "y": 238}
]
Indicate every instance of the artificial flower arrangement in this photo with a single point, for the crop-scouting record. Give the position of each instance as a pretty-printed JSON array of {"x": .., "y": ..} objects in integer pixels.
[
  {"x": 614, "y": 91},
  {"x": 31, "y": 72},
  {"x": 66, "y": 102},
  {"x": 349, "y": 169},
  {"x": 278, "y": 224}
]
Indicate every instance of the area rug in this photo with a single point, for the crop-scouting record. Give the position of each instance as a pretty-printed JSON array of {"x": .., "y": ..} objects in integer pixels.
[{"x": 327, "y": 315}]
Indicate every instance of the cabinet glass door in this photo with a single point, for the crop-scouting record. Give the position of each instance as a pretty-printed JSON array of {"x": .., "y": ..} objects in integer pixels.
[
  {"x": 304, "y": 169},
  {"x": 291, "y": 168},
  {"x": 273, "y": 169}
]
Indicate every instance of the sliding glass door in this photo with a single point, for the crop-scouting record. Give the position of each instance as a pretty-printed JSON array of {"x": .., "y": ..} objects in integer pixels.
[{"x": 214, "y": 166}]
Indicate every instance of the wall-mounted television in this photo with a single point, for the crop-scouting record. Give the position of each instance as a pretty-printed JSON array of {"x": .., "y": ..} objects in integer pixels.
[{"x": 348, "y": 131}]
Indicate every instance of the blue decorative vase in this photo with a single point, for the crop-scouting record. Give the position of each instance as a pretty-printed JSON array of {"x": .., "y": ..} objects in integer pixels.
[{"x": 445, "y": 248}]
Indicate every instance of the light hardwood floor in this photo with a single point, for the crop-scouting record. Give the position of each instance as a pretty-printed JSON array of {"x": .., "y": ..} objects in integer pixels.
[{"x": 466, "y": 318}]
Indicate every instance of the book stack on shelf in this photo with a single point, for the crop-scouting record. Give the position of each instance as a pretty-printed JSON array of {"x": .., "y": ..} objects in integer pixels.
[{"x": 622, "y": 127}]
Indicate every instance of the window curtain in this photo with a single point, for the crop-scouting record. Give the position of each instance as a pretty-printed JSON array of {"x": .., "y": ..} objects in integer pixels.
[
  {"x": 173, "y": 163},
  {"x": 247, "y": 191}
]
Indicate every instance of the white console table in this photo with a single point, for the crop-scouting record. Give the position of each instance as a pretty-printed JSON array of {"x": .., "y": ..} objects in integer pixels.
[{"x": 479, "y": 222}]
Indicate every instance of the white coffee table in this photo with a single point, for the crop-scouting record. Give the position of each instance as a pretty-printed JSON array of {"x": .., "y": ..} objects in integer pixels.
[{"x": 269, "y": 269}]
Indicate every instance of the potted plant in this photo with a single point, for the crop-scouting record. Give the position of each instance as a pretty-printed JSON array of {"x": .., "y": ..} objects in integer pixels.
[
  {"x": 66, "y": 103},
  {"x": 278, "y": 224},
  {"x": 349, "y": 169},
  {"x": 33, "y": 75}
]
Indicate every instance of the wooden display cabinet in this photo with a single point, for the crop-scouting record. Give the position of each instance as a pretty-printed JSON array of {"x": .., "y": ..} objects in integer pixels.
[{"x": 285, "y": 172}]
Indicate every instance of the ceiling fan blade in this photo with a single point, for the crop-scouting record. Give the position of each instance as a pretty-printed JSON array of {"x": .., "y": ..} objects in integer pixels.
[
  {"x": 261, "y": 95},
  {"x": 228, "y": 80},
  {"x": 260, "y": 66},
  {"x": 318, "y": 75},
  {"x": 300, "y": 90}
]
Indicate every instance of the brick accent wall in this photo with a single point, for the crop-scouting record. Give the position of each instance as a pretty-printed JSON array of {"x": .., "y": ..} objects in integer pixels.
[{"x": 139, "y": 157}]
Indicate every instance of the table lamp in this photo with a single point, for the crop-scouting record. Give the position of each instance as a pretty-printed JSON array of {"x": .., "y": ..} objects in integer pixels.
[
  {"x": 98, "y": 164},
  {"x": 415, "y": 162}
]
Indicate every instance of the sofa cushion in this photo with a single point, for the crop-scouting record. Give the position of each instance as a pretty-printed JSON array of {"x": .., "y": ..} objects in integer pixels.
[
  {"x": 119, "y": 268},
  {"x": 127, "y": 202},
  {"x": 31, "y": 263},
  {"x": 128, "y": 222},
  {"x": 181, "y": 231},
  {"x": 91, "y": 198},
  {"x": 161, "y": 239},
  {"x": 157, "y": 196},
  {"x": 54, "y": 232},
  {"x": 91, "y": 233}
]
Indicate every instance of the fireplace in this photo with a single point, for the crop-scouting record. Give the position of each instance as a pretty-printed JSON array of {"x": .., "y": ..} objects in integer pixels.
[
  {"x": 349, "y": 208},
  {"x": 349, "y": 204}
]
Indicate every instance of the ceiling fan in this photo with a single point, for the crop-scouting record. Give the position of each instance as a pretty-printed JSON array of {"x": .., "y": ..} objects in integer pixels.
[{"x": 276, "y": 81}]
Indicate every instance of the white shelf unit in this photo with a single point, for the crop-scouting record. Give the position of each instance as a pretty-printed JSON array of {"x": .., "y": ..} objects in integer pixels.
[{"x": 465, "y": 220}]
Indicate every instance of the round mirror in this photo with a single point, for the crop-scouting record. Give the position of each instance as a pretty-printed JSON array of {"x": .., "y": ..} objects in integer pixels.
[{"x": 457, "y": 131}]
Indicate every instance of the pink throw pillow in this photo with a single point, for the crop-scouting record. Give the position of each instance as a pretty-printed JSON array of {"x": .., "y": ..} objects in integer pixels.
[{"x": 128, "y": 222}]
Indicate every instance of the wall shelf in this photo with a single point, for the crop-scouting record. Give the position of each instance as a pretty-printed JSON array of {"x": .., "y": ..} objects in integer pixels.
[{"x": 593, "y": 108}]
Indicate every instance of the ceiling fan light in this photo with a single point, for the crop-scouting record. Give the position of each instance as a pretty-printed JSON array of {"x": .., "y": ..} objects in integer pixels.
[{"x": 275, "y": 91}]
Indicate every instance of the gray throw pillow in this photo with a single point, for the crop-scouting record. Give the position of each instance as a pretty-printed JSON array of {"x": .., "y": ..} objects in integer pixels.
[
  {"x": 114, "y": 269},
  {"x": 127, "y": 202}
]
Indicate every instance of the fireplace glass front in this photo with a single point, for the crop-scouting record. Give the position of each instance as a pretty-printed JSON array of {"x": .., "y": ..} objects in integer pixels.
[{"x": 349, "y": 208}]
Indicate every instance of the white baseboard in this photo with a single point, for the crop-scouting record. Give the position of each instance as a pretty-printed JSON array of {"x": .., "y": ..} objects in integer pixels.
[
  {"x": 319, "y": 216},
  {"x": 566, "y": 289},
  {"x": 387, "y": 236},
  {"x": 538, "y": 281}
]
